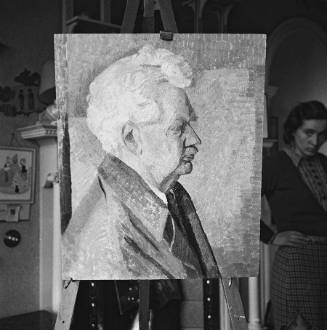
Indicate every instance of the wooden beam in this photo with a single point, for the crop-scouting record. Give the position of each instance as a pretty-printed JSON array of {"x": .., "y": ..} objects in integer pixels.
[
  {"x": 130, "y": 14},
  {"x": 144, "y": 306}
]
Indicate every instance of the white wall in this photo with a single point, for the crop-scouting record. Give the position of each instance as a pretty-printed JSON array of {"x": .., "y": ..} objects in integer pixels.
[{"x": 26, "y": 30}]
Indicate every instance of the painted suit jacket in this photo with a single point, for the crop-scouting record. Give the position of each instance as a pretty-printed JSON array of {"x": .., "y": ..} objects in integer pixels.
[{"x": 117, "y": 231}]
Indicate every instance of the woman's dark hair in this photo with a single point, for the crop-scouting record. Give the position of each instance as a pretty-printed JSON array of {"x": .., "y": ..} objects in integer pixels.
[{"x": 303, "y": 111}]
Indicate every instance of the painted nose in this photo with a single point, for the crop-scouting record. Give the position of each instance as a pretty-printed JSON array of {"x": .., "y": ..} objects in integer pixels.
[{"x": 191, "y": 137}]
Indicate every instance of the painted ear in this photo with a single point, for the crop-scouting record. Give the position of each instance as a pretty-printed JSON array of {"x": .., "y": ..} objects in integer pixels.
[{"x": 131, "y": 137}]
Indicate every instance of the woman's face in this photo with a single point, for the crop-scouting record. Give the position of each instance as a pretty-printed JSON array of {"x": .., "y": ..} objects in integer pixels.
[{"x": 309, "y": 137}]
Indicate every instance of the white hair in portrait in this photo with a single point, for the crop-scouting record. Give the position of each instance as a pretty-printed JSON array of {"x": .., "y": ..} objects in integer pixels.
[{"x": 125, "y": 92}]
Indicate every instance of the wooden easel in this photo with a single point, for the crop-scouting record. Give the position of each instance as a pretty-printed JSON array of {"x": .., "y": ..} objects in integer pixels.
[
  {"x": 231, "y": 293},
  {"x": 70, "y": 288}
]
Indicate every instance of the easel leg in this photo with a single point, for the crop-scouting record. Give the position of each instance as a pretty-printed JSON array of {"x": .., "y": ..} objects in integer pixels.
[
  {"x": 234, "y": 304},
  {"x": 65, "y": 314},
  {"x": 167, "y": 16},
  {"x": 129, "y": 19},
  {"x": 144, "y": 305}
]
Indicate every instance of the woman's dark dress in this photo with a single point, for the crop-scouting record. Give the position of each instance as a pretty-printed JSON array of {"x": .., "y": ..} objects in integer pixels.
[{"x": 299, "y": 274}]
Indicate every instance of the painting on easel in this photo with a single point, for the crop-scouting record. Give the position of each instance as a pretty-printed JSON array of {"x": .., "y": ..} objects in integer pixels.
[{"x": 165, "y": 154}]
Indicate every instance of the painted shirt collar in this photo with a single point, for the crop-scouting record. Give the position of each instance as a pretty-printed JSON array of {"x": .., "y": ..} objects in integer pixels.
[{"x": 159, "y": 193}]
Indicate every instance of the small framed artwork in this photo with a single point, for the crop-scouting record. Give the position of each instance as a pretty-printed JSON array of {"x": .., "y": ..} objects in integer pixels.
[{"x": 17, "y": 175}]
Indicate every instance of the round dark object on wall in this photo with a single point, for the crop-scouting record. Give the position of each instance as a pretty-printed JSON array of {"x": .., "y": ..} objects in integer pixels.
[{"x": 12, "y": 238}]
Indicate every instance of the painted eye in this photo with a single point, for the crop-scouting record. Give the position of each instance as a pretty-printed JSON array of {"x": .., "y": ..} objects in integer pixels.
[{"x": 178, "y": 129}]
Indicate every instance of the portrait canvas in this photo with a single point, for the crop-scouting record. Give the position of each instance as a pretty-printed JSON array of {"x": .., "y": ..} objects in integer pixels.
[
  {"x": 17, "y": 173},
  {"x": 162, "y": 143}
]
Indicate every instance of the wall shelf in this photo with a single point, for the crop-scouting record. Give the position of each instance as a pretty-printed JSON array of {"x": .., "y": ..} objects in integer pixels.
[{"x": 38, "y": 131}]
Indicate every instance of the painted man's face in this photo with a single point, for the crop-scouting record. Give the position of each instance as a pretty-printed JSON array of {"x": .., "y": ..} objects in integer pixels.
[
  {"x": 309, "y": 137},
  {"x": 170, "y": 145}
]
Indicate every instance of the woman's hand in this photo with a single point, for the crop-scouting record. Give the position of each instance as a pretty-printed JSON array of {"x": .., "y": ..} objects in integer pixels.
[{"x": 290, "y": 238}]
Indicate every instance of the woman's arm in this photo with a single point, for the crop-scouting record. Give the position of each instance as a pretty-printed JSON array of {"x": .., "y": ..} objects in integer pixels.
[{"x": 266, "y": 233}]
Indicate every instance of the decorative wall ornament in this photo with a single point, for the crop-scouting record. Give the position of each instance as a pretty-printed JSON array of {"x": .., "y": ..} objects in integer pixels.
[
  {"x": 17, "y": 175},
  {"x": 22, "y": 98},
  {"x": 28, "y": 79},
  {"x": 12, "y": 238}
]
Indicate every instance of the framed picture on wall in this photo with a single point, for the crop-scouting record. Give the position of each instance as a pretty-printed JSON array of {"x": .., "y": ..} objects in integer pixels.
[{"x": 17, "y": 175}]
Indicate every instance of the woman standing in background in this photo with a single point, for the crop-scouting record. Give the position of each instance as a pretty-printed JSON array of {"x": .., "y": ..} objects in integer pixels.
[{"x": 294, "y": 182}]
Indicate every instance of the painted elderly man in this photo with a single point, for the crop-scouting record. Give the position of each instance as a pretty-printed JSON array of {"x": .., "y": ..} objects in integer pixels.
[{"x": 140, "y": 223}]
